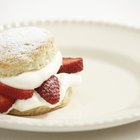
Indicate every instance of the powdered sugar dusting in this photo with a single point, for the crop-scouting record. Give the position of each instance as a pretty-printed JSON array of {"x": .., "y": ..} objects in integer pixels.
[{"x": 20, "y": 41}]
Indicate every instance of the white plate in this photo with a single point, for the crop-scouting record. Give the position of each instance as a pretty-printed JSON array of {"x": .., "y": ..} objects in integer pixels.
[{"x": 110, "y": 93}]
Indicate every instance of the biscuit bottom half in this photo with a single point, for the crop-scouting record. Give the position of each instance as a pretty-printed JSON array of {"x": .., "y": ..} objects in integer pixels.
[{"x": 43, "y": 109}]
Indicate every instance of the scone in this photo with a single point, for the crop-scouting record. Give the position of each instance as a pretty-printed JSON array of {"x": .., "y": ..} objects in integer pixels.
[{"x": 34, "y": 77}]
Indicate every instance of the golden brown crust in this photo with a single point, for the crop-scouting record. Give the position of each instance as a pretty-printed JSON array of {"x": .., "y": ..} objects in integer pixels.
[
  {"x": 32, "y": 55},
  {"x": 43, "y": 109}
]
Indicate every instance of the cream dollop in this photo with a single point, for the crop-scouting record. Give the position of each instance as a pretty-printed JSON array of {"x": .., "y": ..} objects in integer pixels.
[
  {"x": 65, "y": 81},
  {"x": 33, "y": 79}
]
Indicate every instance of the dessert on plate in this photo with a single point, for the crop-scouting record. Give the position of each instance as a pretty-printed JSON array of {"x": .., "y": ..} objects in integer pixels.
[{"x": 34, "y": 77}]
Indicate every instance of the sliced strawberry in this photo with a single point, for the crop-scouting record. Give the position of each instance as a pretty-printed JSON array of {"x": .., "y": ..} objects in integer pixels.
[
  {"x": 14, "y": 92},
  {"x": 71, "y": 65},
  {"x": 5, "y": 103},
  {"x": 50, "y": 90}
]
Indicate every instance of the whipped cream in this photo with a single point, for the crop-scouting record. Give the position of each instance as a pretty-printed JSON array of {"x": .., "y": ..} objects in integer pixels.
[
  {"x": 65, "y": 81},
  {"x": 33, "y": 79}
]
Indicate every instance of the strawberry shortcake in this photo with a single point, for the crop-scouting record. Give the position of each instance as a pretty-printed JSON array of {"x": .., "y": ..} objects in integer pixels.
[{"x": 34, "y": 77}]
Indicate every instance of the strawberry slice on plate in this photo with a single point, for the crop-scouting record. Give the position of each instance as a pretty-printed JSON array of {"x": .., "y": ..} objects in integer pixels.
[
  {"x": 50, "y": 90},
  {"x": 71, "y": 65},
  {"x": 14, "y": 92},
  {"x": 5, "y": 103}
]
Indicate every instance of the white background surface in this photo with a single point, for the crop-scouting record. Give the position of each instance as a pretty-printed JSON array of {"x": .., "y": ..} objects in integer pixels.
[
  {"x": 116, "y": 11},
  {"x": 125, "y": 12}
]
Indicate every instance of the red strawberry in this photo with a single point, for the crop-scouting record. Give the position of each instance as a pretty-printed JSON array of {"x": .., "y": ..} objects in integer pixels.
[
  {"x": 14, "y": 92},
  {"x": 71, "y": 65},
  {"x": 5, "y": 103},
  {"x": 50, "y": 90}
]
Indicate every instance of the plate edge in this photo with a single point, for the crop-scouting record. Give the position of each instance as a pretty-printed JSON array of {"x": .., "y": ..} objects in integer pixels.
[{"x": 71, "y": 21}]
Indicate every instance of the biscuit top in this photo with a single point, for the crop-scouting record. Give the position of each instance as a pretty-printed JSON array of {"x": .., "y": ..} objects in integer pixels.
[
  {"x": 25, "y": 49},
  {"x": 21, "y": 41}
]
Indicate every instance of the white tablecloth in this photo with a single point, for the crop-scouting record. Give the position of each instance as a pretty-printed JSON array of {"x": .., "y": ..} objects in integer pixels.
[{"x": 125, "y": 12}]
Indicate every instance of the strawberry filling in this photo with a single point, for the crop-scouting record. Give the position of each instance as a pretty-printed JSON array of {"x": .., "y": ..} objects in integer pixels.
[
  {"x": 49, "y": 90},
  {"x": 71, "y": 65},
  {"x": 5, "y": 103},
  {"x": 14, "y": 92}
]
